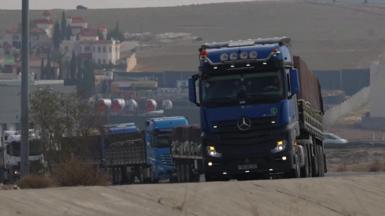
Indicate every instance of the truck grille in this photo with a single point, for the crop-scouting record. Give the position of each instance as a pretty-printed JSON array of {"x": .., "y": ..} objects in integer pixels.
[
  {"x": 256, "y": 124},
  {"x": 165, "y": 159}
]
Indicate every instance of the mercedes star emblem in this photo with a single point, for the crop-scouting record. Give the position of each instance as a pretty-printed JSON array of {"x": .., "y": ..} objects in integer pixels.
[{"x": 244, "y": 124}]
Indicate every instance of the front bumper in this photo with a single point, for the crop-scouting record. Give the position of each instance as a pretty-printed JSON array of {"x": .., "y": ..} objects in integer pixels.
[
  {"x": 237, "y": 166},
  {"x": 250, "y": 153}
]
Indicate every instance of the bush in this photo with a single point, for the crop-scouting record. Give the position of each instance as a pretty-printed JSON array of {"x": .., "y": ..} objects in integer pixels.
[
  {"x": 35, "y": 181},
  {"x": 341, "y": 168},
  {"x": 75, "y": 173},
  {"x": 376, "y": 166}
]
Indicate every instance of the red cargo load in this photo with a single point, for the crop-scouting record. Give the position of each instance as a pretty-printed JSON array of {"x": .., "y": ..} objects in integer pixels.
[{"x": 310, "y": 89}]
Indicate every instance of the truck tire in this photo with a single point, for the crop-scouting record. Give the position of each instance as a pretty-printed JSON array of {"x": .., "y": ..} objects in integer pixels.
[
  {"x": 153, "y": 178},
  {"x": 315, "y": 161},
  {"x": 182, "y": 173},
  {"x": 187, "y": 172},
  {"x": 310, "y": 160},
  {"x": 297, "y": 169},
  {"x": 305, "y": 169},
  {"x": 321, "y": 162},
  {"x": 211, "y": 177},
  {"x": 325, "y": 164}
]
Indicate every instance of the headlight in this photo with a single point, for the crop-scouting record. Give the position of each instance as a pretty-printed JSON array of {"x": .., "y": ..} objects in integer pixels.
[
  {"x": 211, "y": 151},
  {"x": 280, "y": 145}
]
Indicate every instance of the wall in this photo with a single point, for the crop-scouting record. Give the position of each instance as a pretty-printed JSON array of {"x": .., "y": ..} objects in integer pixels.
[
  {"x": 349, "y": 80},
  {"x": 377, "y": 93}
]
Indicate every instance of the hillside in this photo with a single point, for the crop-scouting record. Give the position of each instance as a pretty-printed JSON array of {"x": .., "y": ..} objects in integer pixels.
[{"x": 328, "y": 36}]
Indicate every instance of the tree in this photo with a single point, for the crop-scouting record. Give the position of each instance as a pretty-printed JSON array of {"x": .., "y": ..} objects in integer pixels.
[
  {"x": 68, "y": 33},
  {"x": 56, "y": 115},
  {"x": 56, "y": 37},
  {"x": 73, "y": 67},
  {"x": 42, "y": 69},
  {"x": 115, "y": 33},
  {"x": 58, "y": 58},
  {"x": 63, "y": 26},
  {"x": 86, "y": 78},
  {"x": 48, "y": 68}
]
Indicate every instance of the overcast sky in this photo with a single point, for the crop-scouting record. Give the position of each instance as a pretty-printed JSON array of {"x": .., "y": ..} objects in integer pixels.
[{"x": 71, "y": 4}]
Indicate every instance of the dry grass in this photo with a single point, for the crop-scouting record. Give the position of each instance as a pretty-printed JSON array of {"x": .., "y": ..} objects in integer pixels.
[
  {"x": 75, "y": 173},
  {"x": 35, "y": 181},
  {"x": 341, "y": 168},
  {"x": 374, "y": 166}
]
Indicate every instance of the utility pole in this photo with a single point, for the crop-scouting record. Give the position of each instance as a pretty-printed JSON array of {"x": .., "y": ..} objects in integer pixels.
[{"x": 24, "y": 121}]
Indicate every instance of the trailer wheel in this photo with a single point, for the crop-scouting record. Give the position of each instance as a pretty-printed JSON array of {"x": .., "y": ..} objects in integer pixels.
[
  {"x": 182, "y": 173},
  {"x": 321, "y": 162},
  {"x": 179, "y": 171},
  {"x": 316, "y": 163},
  {"x": 297, "y": 169},
  {"x": 187, "y": 172},
  {"x": 305, "y": 168}
]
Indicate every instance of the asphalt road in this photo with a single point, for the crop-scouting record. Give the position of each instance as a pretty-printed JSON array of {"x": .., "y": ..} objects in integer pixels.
[{"x": 361, "y": 194}]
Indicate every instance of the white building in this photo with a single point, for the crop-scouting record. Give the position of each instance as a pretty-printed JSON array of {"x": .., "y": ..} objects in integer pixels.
[
  {"x": 10, "y": 96},
  {"x": 101, "y": 52},
  {"x": 89, "y": 35}
]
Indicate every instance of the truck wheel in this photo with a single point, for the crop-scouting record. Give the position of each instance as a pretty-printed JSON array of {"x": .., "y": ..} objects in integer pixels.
[
  {"x": 325, "y": 164},
  {"x": 211, "y": 177},
  {"x": 310, "y": 161},
  {"x": 188, "y": 172},
  {"x": 305, "y": 168},
  {"x": 321, "y": 163},
  {"x": 315, "y": 162},
  {"x": 182, "y": 173},
  {"x": 297, "y": 169}
]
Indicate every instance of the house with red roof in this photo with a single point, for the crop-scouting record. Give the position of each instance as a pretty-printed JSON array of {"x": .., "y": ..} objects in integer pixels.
[
  {"x": 89, "y": 35},
  {"x": 77, "y": 24},
  {"x": 44, "y": 23}
]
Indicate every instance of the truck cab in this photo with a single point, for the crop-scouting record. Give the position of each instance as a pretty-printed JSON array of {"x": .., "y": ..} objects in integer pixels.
[
  {"x": 158, "y": 133},
  {"x": 10, "y": 155},
  {"x": 247, "y": 92}
]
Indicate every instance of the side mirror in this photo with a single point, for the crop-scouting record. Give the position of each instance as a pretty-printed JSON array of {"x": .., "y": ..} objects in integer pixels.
[
  {"x": 193, "y": 89},
  {"x": 294, "y": 81}
]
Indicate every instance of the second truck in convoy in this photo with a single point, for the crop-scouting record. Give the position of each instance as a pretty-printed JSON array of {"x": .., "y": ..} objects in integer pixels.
[
  {"x": 128, "y": 154},
  {"x": 261, "y": 110}
]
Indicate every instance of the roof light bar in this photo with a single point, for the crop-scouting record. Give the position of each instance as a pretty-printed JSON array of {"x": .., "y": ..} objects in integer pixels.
[{"x": 280, "y": 40}]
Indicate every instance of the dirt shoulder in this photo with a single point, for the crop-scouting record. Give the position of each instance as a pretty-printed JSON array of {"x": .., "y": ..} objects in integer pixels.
[{"x": 348, "y": 195}]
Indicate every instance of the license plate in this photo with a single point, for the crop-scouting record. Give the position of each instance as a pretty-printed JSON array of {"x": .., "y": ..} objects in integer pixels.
[{"x": 247, "y": 166}]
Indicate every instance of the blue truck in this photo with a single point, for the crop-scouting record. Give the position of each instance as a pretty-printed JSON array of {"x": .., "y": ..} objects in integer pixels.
[
  {"x": 128, "y": 154},
  {"x": 158, "y": 134},
  {"x": 261, "y": 111}
]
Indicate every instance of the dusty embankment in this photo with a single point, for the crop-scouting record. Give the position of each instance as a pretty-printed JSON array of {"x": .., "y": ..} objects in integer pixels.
[{"x": 348, "y": 195}]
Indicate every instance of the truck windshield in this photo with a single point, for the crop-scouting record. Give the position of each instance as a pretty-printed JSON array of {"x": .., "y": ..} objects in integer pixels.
[
  {"x": 35, "y": 148},
  {"x": 162, "y": 140},
  {"x": 252, "y": 88}
]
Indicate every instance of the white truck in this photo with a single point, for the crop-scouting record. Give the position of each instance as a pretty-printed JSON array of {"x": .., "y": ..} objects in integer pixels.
[{"x": 10, "y": 155}]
